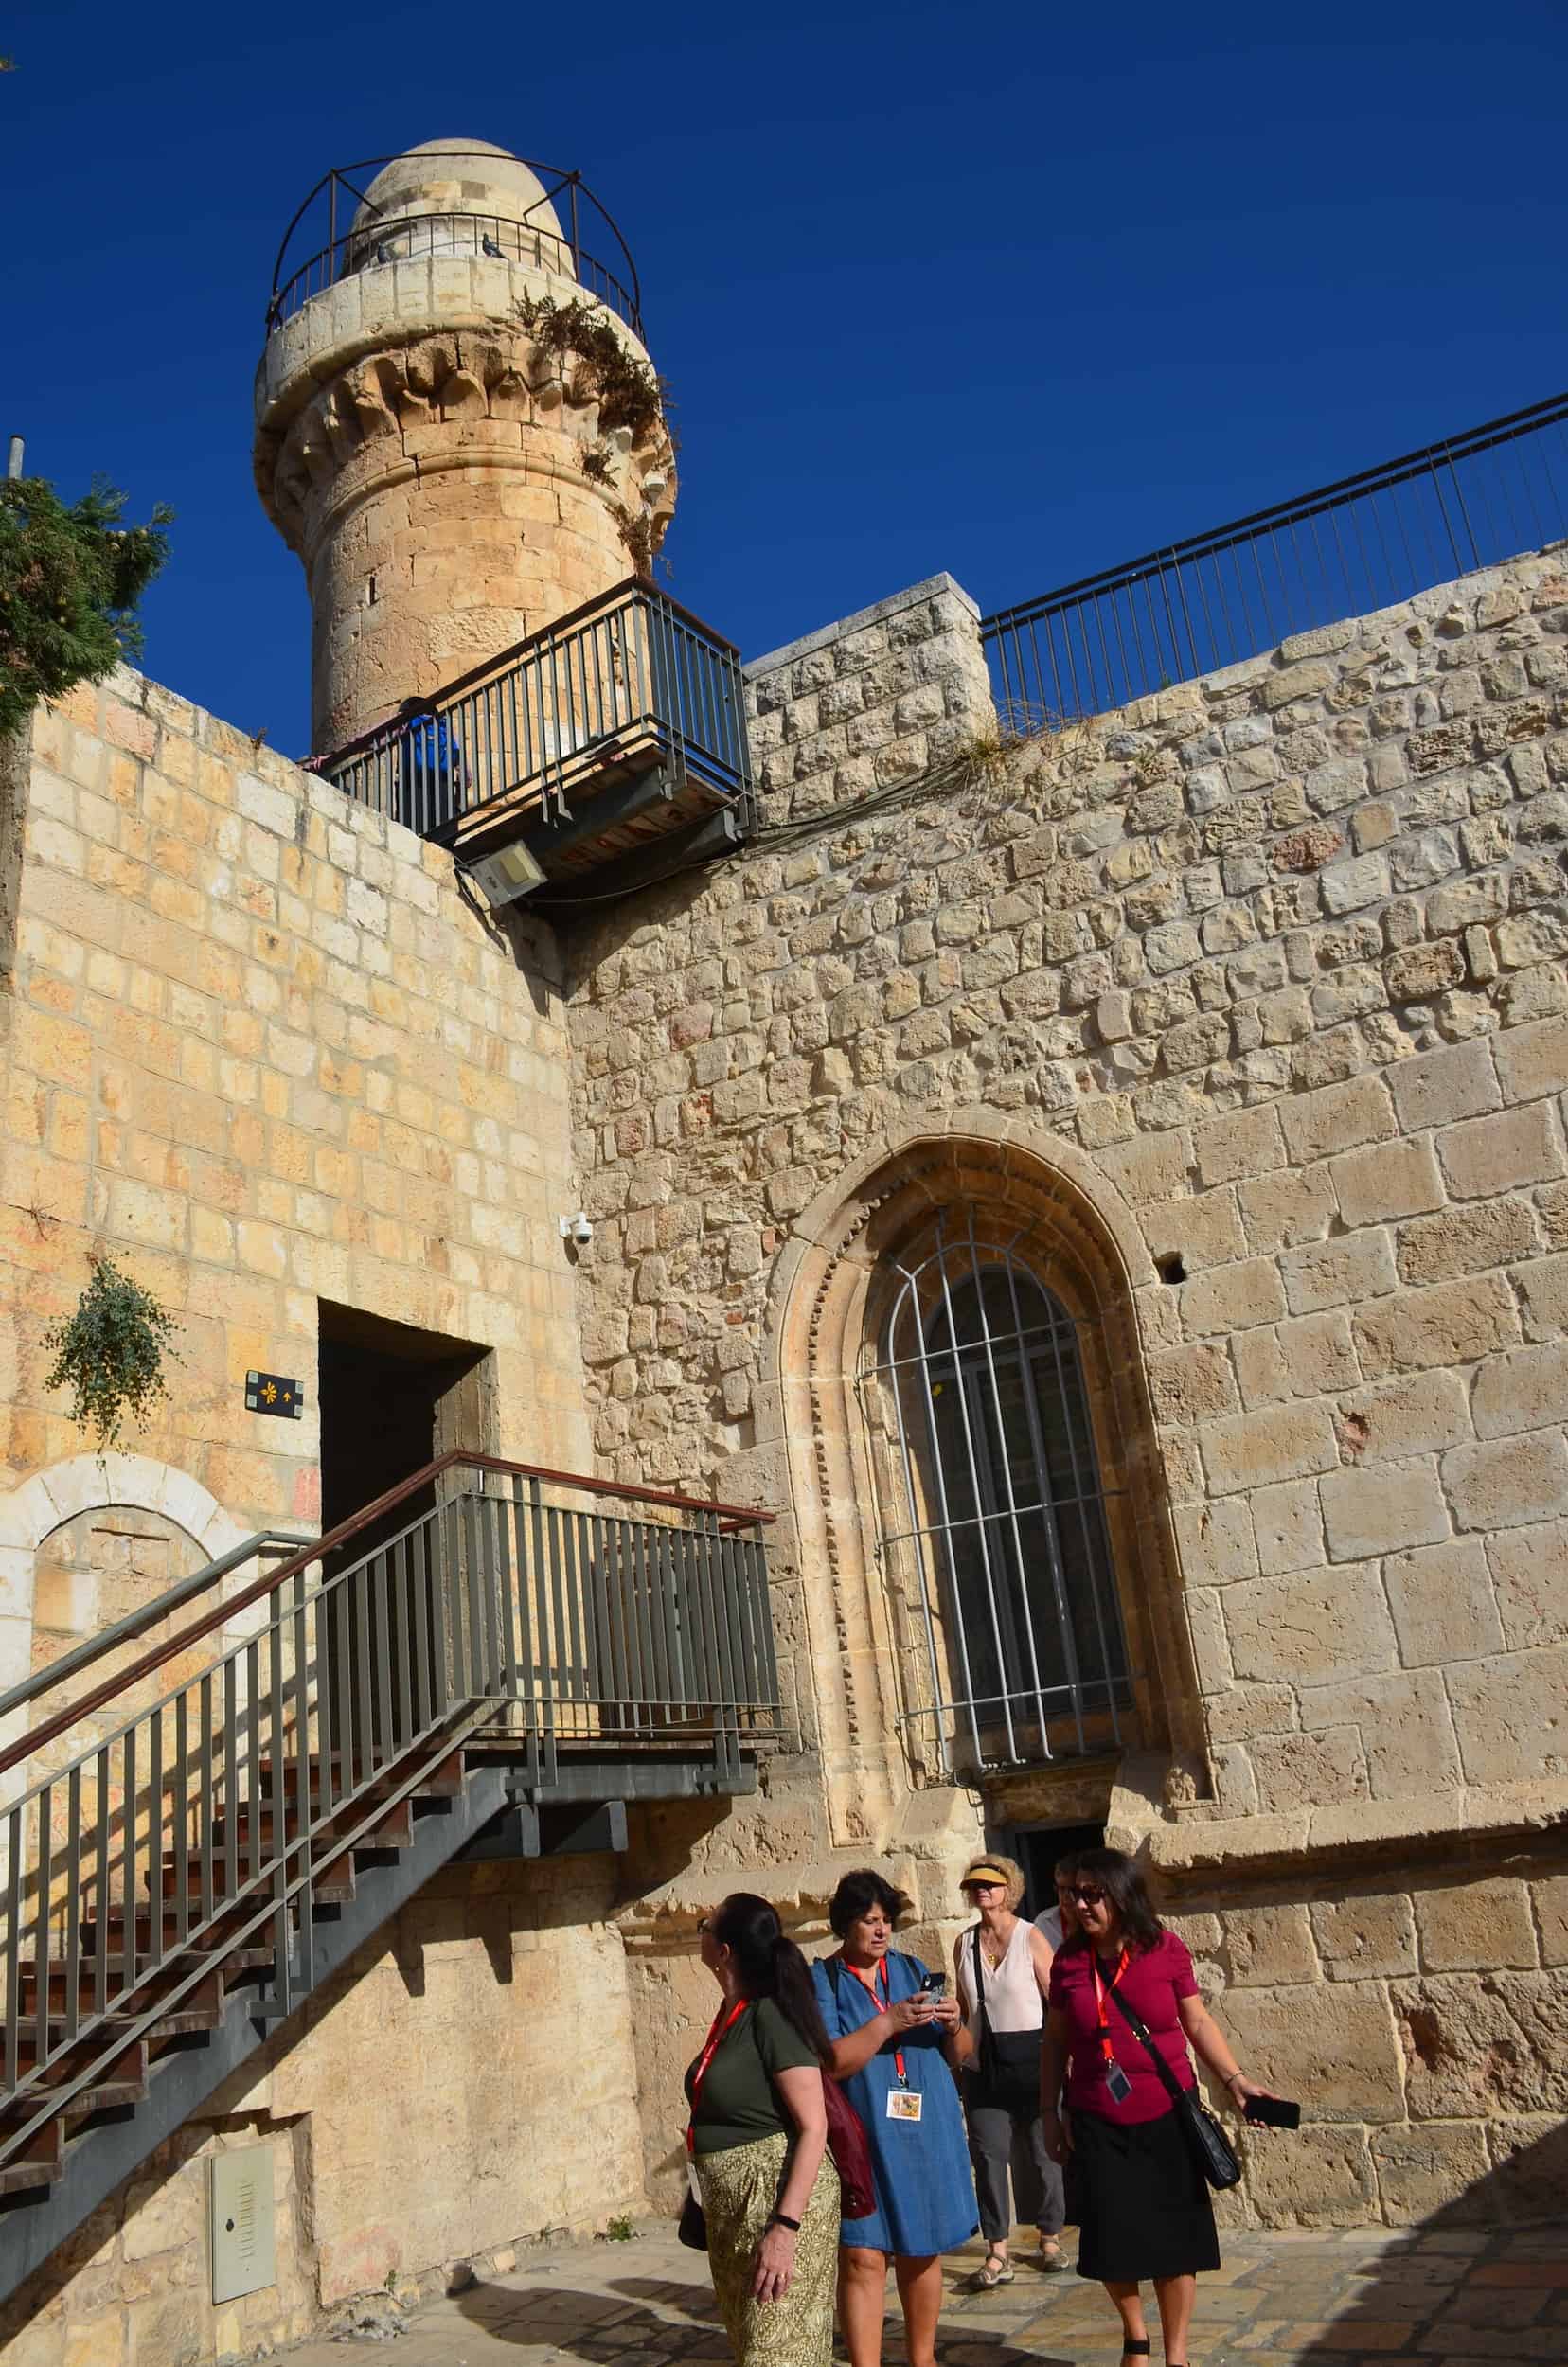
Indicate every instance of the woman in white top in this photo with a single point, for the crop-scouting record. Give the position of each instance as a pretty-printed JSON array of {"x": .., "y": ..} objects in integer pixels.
[{"x": 1003, "y": 1963}]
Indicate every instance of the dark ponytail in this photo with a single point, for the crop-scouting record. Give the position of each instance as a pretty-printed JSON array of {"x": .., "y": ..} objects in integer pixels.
[{"x": 770, "y": 1965}]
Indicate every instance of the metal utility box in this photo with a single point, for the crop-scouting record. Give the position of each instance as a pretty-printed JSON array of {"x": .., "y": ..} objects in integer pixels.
[{"x": 244, "y": 2249}]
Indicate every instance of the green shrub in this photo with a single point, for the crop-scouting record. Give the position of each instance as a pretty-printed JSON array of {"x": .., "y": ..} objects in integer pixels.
[
  {"x": 70, "y": 580},
  {"x": 110, "y": 1353}
]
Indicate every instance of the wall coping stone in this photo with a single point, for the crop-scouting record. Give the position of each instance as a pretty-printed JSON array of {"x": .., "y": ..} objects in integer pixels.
[
  {"x": 933, "y": 588},
  {"x": 1429, "y": 1825}
]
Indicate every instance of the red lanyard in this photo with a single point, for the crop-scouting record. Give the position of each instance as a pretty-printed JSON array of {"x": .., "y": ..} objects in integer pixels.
[
  {"x": 869, "y": 1982},
  {"x": 1102, "y": 1990},
  {"x": 723, "y": 2024}
]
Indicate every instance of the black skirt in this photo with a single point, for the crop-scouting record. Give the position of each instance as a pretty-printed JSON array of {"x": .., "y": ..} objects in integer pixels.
[{"x": 1143, "y": 2203}]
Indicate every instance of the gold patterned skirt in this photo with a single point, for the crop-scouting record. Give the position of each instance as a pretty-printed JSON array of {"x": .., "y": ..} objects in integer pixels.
[{"x": 740, "y": 2188}]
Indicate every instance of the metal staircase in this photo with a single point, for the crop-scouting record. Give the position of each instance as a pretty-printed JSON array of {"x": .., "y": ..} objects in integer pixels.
[{"x": 186, "y": 1866}]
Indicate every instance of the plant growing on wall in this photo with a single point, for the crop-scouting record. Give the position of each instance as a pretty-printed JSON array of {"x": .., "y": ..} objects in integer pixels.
[
  {"x": 630, "y": 393},
  {"x": 70, "y": 579},
  {"x": 110, "y": 1353}
]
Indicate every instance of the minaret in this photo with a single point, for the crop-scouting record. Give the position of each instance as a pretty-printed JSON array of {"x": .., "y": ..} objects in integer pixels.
[{"x": 452, "y": 477}]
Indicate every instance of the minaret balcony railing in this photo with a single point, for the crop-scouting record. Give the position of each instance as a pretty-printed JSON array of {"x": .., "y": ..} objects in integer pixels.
[
  {"x": 616, "y": 734},
  {"x": 344, "y": 234}
]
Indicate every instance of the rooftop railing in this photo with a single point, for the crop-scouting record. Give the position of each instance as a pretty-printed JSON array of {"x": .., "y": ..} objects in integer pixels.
[
  {"x": 631, "y": 678},
  {"x": 1345, "y": 550},
  {"x": 337, "y": 231}
]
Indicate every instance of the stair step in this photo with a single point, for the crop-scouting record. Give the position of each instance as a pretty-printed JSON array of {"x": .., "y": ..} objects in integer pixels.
[
  {"x": 201, "y": 2008},
  {"x": 120, "y": 2082},
  {"x": 331, "y": 1886},
  {"x": 444, "y": 1782},
  {"x": 216, "y": 1940},
  {"x": 38, "y": 2163},
  {"x": 393, "y": 1830}
]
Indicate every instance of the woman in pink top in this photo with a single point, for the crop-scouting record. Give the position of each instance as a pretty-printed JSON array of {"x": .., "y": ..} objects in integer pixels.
[{"x": 1144, "y": 2207}]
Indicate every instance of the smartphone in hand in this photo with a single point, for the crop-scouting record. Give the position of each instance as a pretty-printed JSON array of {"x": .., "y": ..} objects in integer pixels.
[
  {"x": 934, "y": 1984},
  {"x": 1272, "y": 2111}
]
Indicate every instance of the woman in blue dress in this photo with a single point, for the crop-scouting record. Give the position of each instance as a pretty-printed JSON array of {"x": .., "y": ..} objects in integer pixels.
[{"x": 889, "y": 2037}]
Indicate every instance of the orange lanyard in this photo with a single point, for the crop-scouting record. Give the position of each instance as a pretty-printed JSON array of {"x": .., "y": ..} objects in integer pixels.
[
  {"x": 1102, "y": 1990},
  {"x": 870, "y": 1983},
  {"x": 723, "y": 2024}
]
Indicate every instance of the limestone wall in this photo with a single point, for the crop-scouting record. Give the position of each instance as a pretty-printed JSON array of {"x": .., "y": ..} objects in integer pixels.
[
  {"x": 1257, "y": 988},
  {"x": 260, "y": 1049},
  {"x": 407, "y": 2124},
  {"x": 1276, "y": 959},
  {"x": 264, "y": 1050},
  {"x": 887, "y": 695}
]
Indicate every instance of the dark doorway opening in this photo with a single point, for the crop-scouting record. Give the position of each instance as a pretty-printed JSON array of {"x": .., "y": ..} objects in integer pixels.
[
  {"x": 392, "y": 1399},
  {"x": 1038, "y": 1848}
]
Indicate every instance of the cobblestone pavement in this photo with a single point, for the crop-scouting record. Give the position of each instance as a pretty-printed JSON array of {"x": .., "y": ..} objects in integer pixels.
[{"x": 1364, "y": 2299}]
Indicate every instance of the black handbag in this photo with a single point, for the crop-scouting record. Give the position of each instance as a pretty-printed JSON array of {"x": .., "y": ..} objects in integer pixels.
[
  {"x": 1207, "y": 2141},
  {"x": 691, "y": 2226},
  {"x": 1008, "y": 2072}
]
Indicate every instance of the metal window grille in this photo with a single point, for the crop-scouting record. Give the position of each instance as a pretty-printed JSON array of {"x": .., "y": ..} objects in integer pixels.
[{"x": 999, "y": 1551}]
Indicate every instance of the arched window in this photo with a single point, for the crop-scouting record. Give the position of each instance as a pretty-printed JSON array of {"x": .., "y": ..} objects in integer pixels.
[{"x": 1001, "y": 1542}]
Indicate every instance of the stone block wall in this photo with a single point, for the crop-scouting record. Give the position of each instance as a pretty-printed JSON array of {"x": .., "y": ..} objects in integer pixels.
[
  {"x": 255, "y": 1043},
  {"x": 262, "y": 1050},
  {"x": 1267, "y": 973},
  {"x": 877, "y": 700},
  {"x": 1278, "y": 958},
  {"x": 1421, "y": 2027}
]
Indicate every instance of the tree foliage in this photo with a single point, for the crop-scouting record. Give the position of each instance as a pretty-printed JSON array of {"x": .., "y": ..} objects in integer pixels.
[
  {"x": 110, "y": 1353},
  {"x": 70, "y": 579}
]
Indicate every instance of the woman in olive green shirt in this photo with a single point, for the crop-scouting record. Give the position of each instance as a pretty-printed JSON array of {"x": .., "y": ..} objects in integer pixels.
[{"x": 758, "y": 2143}]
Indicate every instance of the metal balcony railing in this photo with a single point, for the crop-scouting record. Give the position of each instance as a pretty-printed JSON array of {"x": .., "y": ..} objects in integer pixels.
[
  {"x": 627, "y": 681},
  {"x": 335, "y": 234},
  {"x": 1345, "y": 550},
  {"x": 536, "y": 1609}
]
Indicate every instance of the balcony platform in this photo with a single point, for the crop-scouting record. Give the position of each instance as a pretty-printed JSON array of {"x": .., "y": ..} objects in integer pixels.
[{"x": 608, "y": 749}]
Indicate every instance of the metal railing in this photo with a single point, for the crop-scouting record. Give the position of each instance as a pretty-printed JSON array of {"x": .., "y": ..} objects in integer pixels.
[
  {"x": 136, "y": 1623},
  {"x": 531, "y": 1605},
  {"x": 631, "y": 674},
  {"x": 1344, "y": 550},
  {"x": 345, "y": 233}
]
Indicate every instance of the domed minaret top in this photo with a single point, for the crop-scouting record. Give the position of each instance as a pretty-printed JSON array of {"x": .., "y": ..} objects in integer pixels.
[{"x": 437, "y": 431}]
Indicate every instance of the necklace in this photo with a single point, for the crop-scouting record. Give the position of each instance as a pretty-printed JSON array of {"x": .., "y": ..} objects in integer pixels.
[{"x": 992, "y": 1954}]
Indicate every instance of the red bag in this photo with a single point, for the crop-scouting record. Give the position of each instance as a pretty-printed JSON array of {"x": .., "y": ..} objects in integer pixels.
[{"x": 851, "y": 2152}]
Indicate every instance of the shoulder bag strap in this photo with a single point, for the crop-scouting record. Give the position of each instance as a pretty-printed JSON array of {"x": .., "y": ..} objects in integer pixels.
[
  {"x": 1167, "y": 2078},
  {"x": 980, "y": 2015}
]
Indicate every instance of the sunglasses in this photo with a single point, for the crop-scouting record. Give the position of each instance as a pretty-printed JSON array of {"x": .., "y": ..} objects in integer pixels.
[{"x": 1087, "y": 1894}]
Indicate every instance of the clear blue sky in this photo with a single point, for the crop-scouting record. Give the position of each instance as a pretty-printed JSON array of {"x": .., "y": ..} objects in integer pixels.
[{"x": 1011, "y": 290}]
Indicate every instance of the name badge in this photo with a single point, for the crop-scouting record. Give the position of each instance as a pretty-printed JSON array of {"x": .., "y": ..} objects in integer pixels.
[
  {"x": 1117, "y": 2082},
  {"x": 903, "y": 2104}
]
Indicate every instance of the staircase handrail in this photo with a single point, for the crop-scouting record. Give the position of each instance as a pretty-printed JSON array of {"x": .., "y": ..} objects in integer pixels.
[
  {"x": 316, "y": 1550},
  {"x": 136, "y": 1623}
]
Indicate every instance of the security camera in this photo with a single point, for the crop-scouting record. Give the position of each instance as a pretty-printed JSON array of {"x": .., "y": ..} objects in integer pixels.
[{"x": 579, "y": 1228}]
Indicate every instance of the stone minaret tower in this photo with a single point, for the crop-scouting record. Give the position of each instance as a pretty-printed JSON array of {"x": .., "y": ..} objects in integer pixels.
[{"x": 444, "y": 471}]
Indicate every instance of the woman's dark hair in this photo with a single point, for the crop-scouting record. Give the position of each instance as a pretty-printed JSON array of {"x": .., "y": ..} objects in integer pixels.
[
  {"x": 1122, "y": 1880},
  {"x": 859, "y": 1893},
  {"x": 770, "y": 1965}
]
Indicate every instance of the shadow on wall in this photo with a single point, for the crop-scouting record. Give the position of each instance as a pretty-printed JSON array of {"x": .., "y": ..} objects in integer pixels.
[
  {"x": 1482, "y": 2279},
  {"x": 460, "y": 1910}
]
